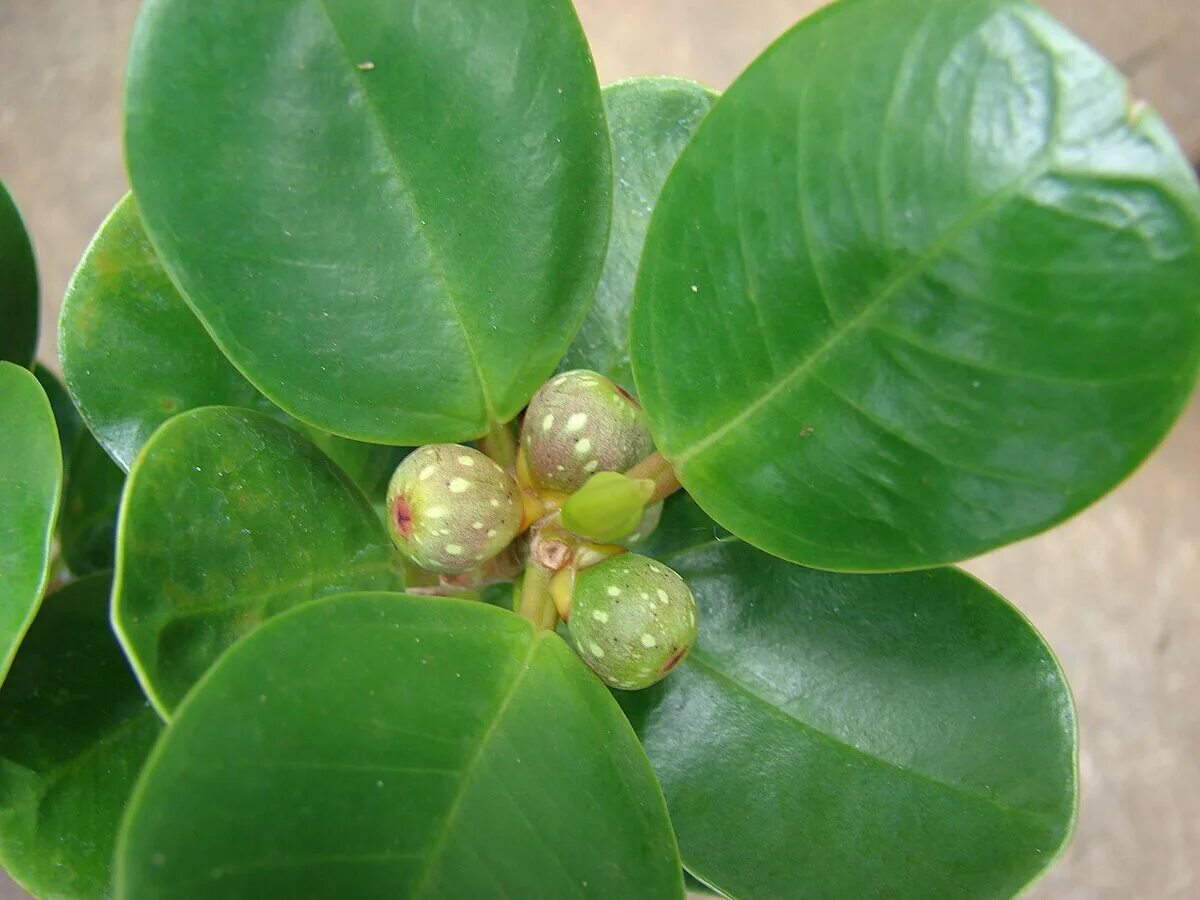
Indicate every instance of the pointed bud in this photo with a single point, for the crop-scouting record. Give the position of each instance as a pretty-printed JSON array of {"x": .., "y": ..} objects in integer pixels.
[
  {"x": 451, "y": 509},
  {"x": 608, "y": 507}
]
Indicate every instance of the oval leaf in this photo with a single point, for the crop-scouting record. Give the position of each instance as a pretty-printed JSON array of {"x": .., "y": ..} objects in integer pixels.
[
  {"x": 88, "y": 525},
  {"x": 229, "y": 518},
  {"x": 31, "y": 474},
  {"x": 122, "y": 314},
  {"x": 650, "y": 121},
  {"x": 18, "y": 286},
  {"x": 401, "y": 747},
  {"x": 923, "y": 283},
  {"x": 74, "y": 731},
  {"x": 391, "y": 216},
  {"x": 917, "y": 715}
]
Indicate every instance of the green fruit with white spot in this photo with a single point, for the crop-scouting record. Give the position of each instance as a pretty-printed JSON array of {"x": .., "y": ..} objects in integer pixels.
[
  {"x": 581, "y": 423},
  {"x": 451, "y": 509},
  {"x": 632, "y": 620}
]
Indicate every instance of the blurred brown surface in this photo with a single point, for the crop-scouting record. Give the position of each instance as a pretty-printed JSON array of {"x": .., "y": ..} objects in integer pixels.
[{"x": 1114, "y": 591}]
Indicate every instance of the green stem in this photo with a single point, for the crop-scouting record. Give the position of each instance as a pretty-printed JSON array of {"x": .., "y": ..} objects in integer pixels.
[
  {"x": 536, "y": 604},
  {"x": 662, "y": 473},
  {"x": 501, "y": 445}
]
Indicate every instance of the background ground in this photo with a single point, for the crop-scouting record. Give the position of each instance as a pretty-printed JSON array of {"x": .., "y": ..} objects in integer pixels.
[{"x": 1114, "y": 591}]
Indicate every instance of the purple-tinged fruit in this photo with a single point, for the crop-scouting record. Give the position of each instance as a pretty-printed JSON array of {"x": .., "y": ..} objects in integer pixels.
[
  {"x": 581, "y": 423},
  {"x": 632, "y": 621},
  {"x": 451, "y": 509}
]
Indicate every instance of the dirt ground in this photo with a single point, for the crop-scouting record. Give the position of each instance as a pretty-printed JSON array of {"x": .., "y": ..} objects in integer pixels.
[{"x": 1114, "y": 591}]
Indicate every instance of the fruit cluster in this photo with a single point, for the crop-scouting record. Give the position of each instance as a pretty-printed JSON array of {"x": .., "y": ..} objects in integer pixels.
[{"x": 563, "y": 511}]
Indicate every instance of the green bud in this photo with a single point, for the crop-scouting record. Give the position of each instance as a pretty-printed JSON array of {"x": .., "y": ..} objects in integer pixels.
[
  {"x": 608, "y": 507},
  {"x": 450, "y": 508},
  {"x": 632, "y": 620},
  {"x": 580, "y": 423}
]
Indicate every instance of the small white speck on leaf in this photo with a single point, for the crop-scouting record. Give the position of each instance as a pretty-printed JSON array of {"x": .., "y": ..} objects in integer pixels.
[{"x": 366, "y": 65}]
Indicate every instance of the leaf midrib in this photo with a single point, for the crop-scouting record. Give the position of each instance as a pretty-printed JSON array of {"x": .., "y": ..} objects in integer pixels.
[
  {"x": 1041, "y": 166},
  {"x": 698, "y": 658},
  {"x": 438, "y": 845},
  {"x": 435, "y": 261}
]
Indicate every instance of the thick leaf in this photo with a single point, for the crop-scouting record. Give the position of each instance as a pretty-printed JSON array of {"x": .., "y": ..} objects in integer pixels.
[
  {"x": 924, "y": 282},
  {"x": 88, "y": 525},
  {"x": 122, "y": 315},
  {"x": 859, "y": 735},
  {"x": 377, "y": 745},
  {"x": 18, "y": 287},
  {"x": 74, "y": 731},
  {"x": 650, "y": 120},
  {"x": 30, "y": 483},
  {"x": 228, "y": 519},
  {"x": 390, "y": 215}
]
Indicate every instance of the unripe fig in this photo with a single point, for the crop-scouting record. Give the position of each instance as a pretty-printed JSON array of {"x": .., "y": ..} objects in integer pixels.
[
  {"x": 632, "y": 620},
  {"x": 451, "y": 509},
  {"x": 580, "y": 423}
]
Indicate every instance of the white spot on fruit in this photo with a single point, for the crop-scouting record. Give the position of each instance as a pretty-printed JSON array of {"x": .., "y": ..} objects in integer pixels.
[
  {"x": 648, "y": 641},
  {"x": 466, "y": 461},
  {"x": 576, "y": 422},
  {"x": 596, "y": 650},
  {"x": 600, "y": 616},
  {"x": 662, "y": 595},
  {"x": 613, "y": 590},
  {"x": 434, "y": 512},
  {"x": 548, "y": 422},
  {"x": 495, "y": 502},
  {"x": 583, "y": 446},
  {"x": 458, "y": 485},
  {"x": 426, "y": 473},
  {"x": 592, "y": 465},
  {"x": 454, "y": 549}
]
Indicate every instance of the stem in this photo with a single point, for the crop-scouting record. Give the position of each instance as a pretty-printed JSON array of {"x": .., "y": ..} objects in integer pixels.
[
  {"x": 501, "y": 445},
  {"x": 662, "y": 473},
  {"x": 536, "y": 604}
]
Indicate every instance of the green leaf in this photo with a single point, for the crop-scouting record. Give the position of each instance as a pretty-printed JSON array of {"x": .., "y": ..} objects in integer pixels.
[
  {"x": 88, "y": 525},
  {"x": 18, "y": 286},
  {"x": 66, "y": 417},
  {"x": 854, "y": 735},
  {"x": 650, "y": 120},
  {"x": 381, "y": 746},
  {"x": 923, "y": 283},
  {"x": 123, "y": 315},
  {"x": 390, "y": 216},
  {"x": 228, "y": 519},
  {"x": 74, "y": 732},
  {"x": 30, "y": 482}
]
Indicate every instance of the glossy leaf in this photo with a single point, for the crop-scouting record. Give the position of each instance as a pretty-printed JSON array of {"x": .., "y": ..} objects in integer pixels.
[
  {"x": 924, "y": 282},
  {"x": 650, "y": 121},
  {"x": 75, "y": 729},
  {"x": 30, "y": 483},
  {"x": 87, "y": 527},
  {"x": 859, "y": 735},
  {"x": 66, "y": 416},
  {"x": 312, "y": 762},
  {"x": 228, "y": 519},
  {"x": 18, "y": 287},
  {"x": 122, "y": 315},
  {"x": 391, "y": 216}
]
